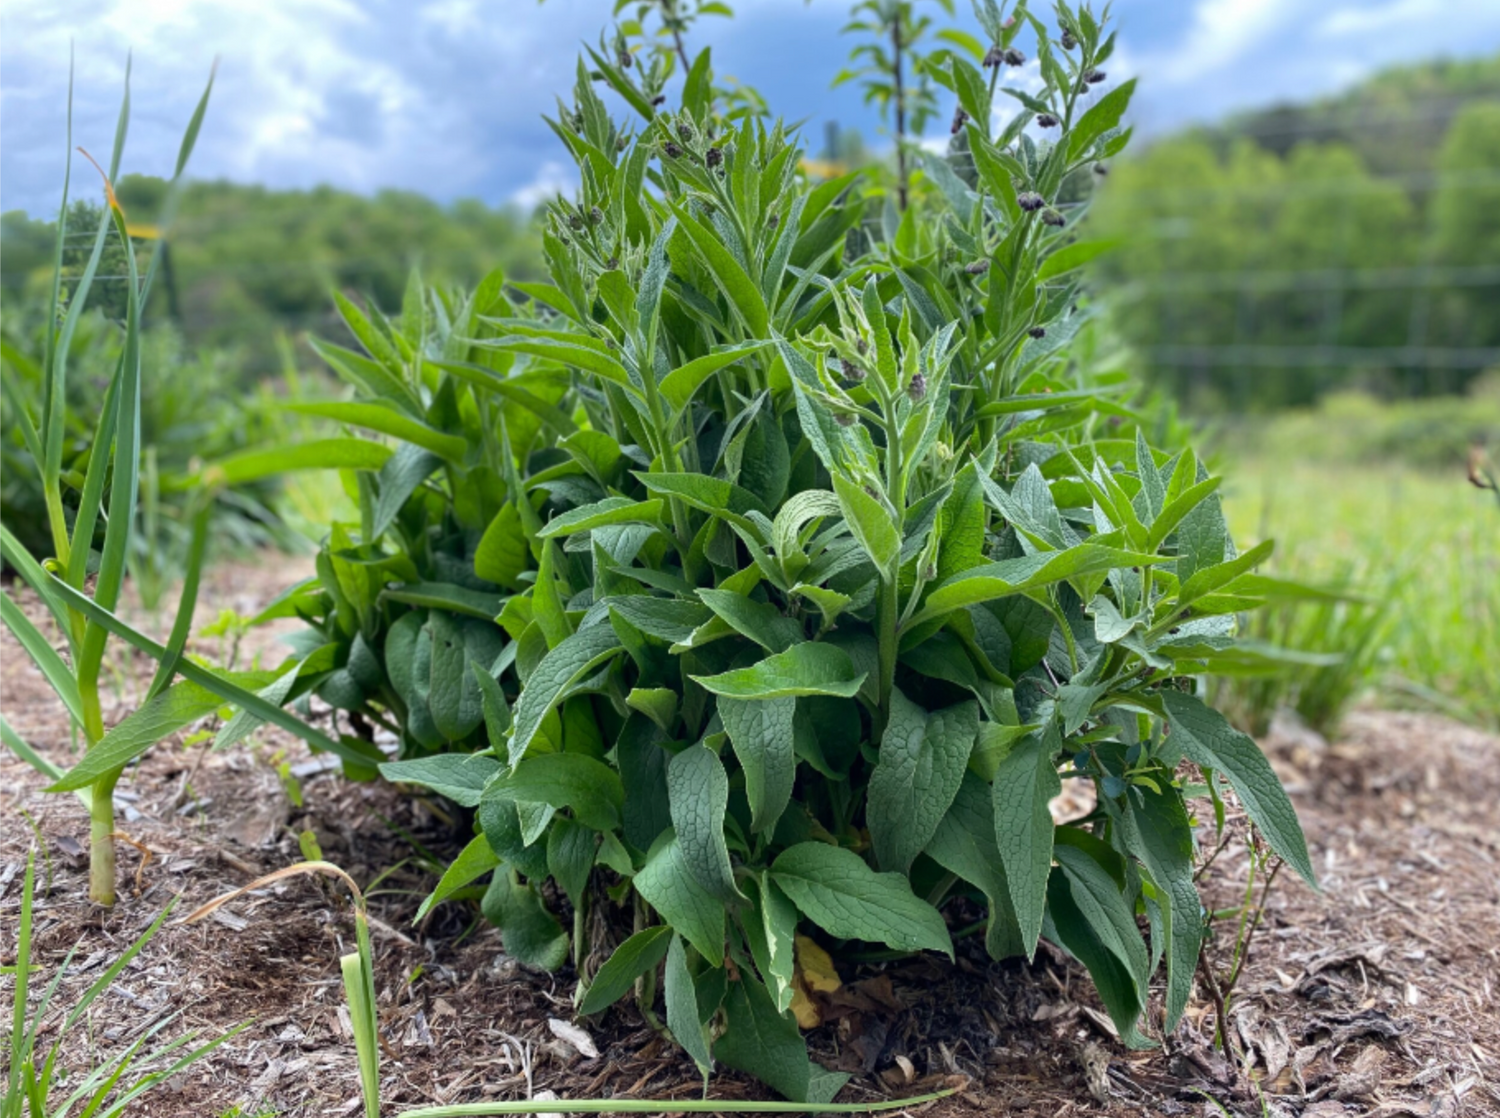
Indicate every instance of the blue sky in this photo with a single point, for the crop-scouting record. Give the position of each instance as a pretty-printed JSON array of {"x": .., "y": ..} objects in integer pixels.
[{"x": 445, "y": 96}]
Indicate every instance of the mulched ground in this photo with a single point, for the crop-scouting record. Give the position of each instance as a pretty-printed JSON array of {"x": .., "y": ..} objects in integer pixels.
[{"x": 1375, "y": 997}]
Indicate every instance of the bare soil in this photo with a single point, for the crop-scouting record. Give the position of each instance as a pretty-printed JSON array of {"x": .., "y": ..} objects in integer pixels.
[{"x": 1376, "y": 996}]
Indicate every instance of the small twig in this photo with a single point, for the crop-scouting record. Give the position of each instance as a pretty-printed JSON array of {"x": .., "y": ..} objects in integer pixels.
[
  {"x": 1255, "y": 922},
  {"x": 146, "y": 857}
]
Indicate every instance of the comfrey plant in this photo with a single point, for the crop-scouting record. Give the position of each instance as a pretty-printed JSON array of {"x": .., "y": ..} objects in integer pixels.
[{"x": 767, "y": 571}]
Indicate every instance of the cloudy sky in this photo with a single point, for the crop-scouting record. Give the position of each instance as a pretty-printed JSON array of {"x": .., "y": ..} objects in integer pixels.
[{"x": 444, "y": 96}]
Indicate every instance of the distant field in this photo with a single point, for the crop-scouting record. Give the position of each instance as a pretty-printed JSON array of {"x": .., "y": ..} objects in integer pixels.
[{"x": 1429, "y": 536}]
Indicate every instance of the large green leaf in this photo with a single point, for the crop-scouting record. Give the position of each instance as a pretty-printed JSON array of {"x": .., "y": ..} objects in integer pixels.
[
  {"x": 551, "y": 679},
  {"x": 763, "y": 1042},
  {"x": 611, "y": 510},
  {"x": 318, "y": 454},
  {"x": 698, "y": 791},
  {"x": 742, "y": 293},
  {"x": 836, "y": 890},
  {"x": 1028, "y": 572},
  {"x": 923, "y": 757},
  {"x": 1024, "y": 784},
  {"x": 1204, "y": 736},
  {"x": 182, "y": 703},
  {"x": 387, "y": 421},
  {"x": 870, "y": 523},
  {"x": 761, "y": 733},
  {"x": 679, "y": 386},
  {"x": 1158, "y": 832},
  {"x": 59, "y": 676},
  {"x": 667, "y": 885},
  {"x": 1103, "y": 115},
  {"x": 473, "y": 861},
  {"x": 712, "y": 495},
  {"x": 810, "y": 668},
  {"x": 460, "y": 777},
  {"x": 589, "y": 788},
  {"x": 681, "y": 995},
  {"x": 633, "y": 958},
  {"x": 964, "y": 844},
  {"x": 760, "y": 621},
  {"x": 530, "y": 933}
]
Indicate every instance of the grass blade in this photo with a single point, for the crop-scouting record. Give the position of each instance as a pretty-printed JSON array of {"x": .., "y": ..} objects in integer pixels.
[
  {"x": 18, "y": 1051},
  {"x": 43, "y": 655},
  {"x": 196, "y": 673},
  {"x": 660, "y": 1106},
  {"x": 187, "y": 602}
]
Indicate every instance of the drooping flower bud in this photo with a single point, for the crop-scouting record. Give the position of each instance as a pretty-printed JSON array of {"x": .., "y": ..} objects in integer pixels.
[
  {"x": 1046, "y": 120},
  {"x": 671, "y": 150},
  {"x": 658, "y": 100},
  {"x": 1014, "y": 57},
  {"x": 1037, "y": 332},
  {"x": 1068, "y": 40},
  {"x": 1030, "y": 201},
  {"x": 959, "y": 119},
  {"x": 1053, "y": 217},
  {"x": 624, "y": 59},
  {"x": 917, "y": 389},
  {"x": 1094, "y": 77},
  {"x": 993, "y": 57},
  {"x": 977, "y": 267},
  {"x": 714, "y": 157}
]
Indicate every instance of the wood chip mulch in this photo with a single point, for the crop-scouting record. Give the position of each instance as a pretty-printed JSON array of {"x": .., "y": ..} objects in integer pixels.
[{"x": 1377, "y": 996}]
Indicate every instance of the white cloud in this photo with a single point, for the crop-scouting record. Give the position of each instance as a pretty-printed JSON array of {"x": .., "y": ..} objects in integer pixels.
[
  {"x": 551, "y": 180},
  {"x": 1222, "y": 33}
]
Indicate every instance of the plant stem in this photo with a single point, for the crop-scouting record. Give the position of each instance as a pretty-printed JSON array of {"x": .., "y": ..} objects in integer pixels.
[
  {"x": 101, "y": 840},
  {"x": 886, "y": 608},
  {"x": 898, "y": 81}
]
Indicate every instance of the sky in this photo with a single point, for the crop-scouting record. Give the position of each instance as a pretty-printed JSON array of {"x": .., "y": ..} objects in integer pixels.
[{"x": 445, "y": 97}]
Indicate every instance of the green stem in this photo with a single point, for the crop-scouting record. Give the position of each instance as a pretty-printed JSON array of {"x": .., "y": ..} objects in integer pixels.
[
  {"x": 886, "y": 609},
  {"x": 101, "y": 840}
]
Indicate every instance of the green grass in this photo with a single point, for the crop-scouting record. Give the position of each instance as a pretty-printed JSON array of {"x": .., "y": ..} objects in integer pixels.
[{"x": 1429, "y": 539}]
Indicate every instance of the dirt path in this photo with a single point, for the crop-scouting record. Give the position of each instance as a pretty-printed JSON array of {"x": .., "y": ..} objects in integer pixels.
[{"x": 1375, "y": 997}]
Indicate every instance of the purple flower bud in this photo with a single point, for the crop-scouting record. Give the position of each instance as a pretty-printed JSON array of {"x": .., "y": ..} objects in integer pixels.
[
  {"x": 1014, "y": 57},
  {"x": 959, "y": 119},
  {"x": 671, "y": 150},
  {"x": 1094, "y": 77},
  {"x": 575, "y": 222},
  {"x": 1037, "y": 332},
  {"x": 773, "y": 221},
  {"x": 612, "y": 263},
  {"x": 1068, "y": 40},
  {"x": 684, "y": 131},
  {"x": 993, "y": 57},
  {"x": 1030, "y": 201},
  {"x": 851, "y": 371},
  {"x": 1100, "y": 169},
  {"x": 714, "y": 157},
  {"x": 977, "y": 267},
  {"x": 1046, "y": 120},
  {"x": 1053, "y": 217},
  {"x": 917, "y": 389},
  {"x": 624, "y": 59},
  {"x": 659, "y": 99}
]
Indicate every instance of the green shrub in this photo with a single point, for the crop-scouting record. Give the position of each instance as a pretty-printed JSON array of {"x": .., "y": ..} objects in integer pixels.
[{"x": 816, "y": 564}]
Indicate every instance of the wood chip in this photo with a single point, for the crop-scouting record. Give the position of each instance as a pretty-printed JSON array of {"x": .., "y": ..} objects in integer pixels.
[{"x": 572, "y": 1035}]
